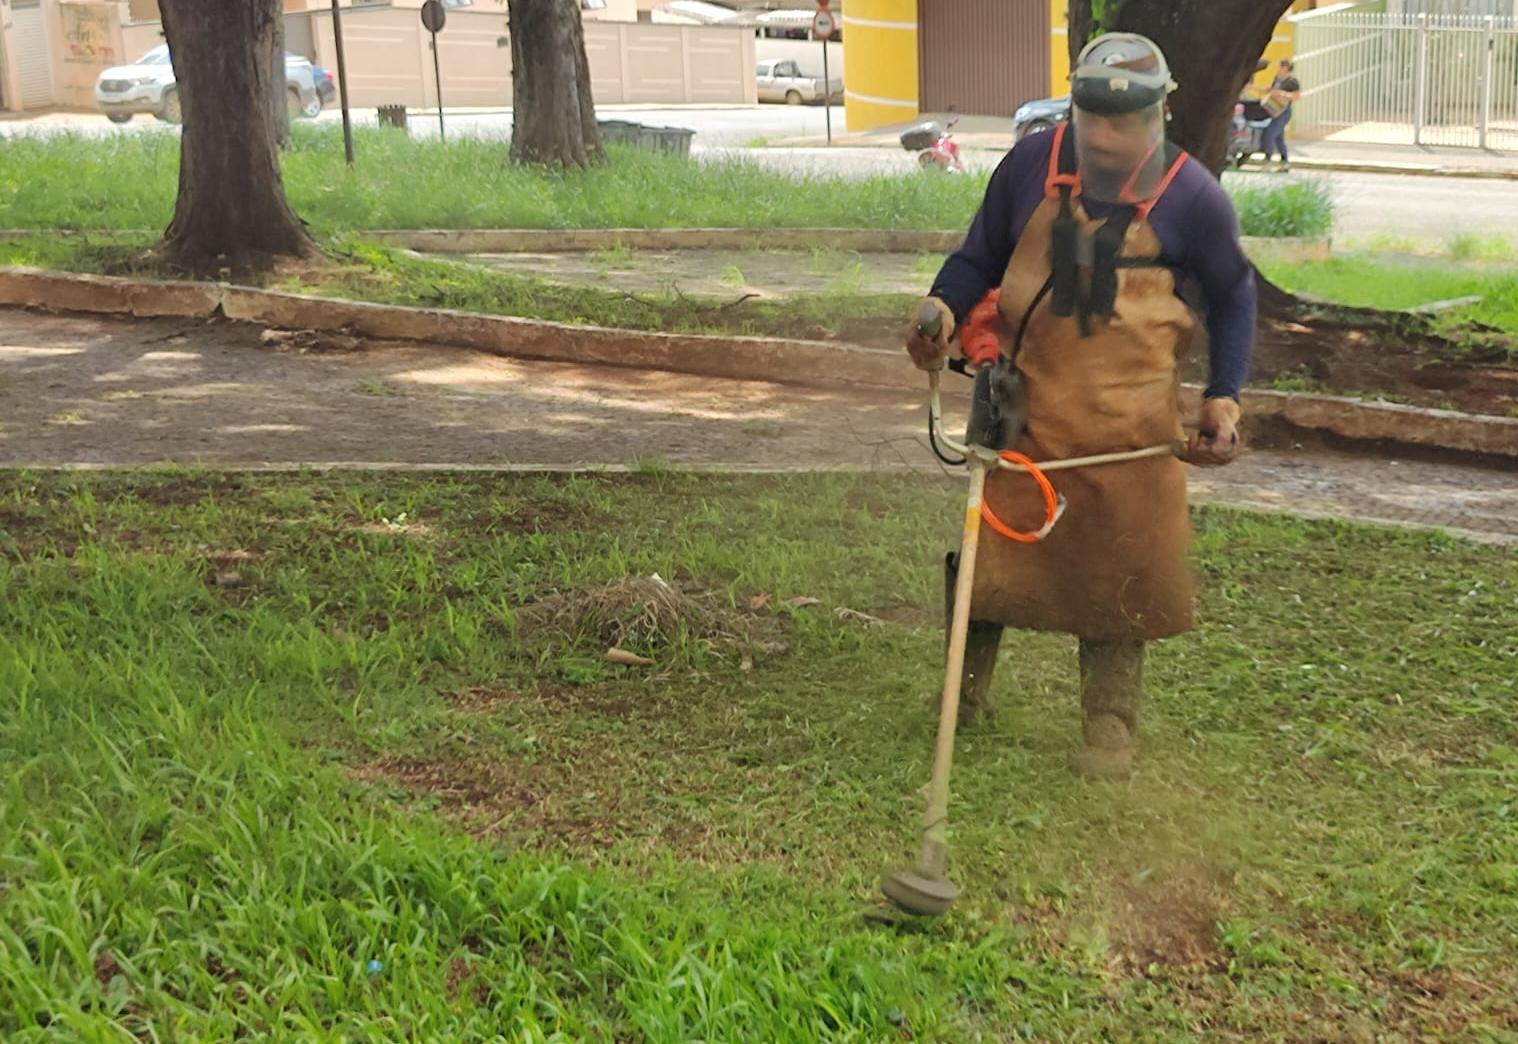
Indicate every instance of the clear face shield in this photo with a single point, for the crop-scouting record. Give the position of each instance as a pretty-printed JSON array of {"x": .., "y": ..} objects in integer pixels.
[{"x": 1121, "y": 157}]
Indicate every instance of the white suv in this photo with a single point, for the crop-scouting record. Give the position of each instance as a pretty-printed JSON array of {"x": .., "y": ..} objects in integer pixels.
[{"x": 147, "y": 85}]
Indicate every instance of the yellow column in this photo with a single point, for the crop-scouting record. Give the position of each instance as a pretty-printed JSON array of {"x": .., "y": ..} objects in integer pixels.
[
  {"x": 880, "y": 77},
  {"x": 1059, "y": 48}
]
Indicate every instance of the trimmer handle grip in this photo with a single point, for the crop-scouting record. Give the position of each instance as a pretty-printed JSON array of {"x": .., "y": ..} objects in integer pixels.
[{"x": 929, "y": 321}]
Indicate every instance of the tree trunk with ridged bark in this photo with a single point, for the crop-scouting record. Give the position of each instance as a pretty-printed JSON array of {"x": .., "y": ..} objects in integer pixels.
[
  {"x": 279, "y": 105},
  {"x": 1212, "y": 47},
  {"x": 553, "y": 114},
  {"x": 231, "y": 213}
]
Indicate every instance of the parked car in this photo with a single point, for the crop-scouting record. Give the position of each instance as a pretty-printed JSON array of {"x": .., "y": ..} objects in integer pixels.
[
  {"x": 326, "y": 86},
  {"x": 1035, "y": 117},
  {"x": 147, "y": 85},
  {"x": 780, "y": 80}
]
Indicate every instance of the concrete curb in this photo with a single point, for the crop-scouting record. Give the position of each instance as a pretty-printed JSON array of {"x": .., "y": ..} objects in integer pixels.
[
  {"x": 1408, "y": 169},
  {"x": 810, "y": 363},
  {"x": 735, "y": 358}
]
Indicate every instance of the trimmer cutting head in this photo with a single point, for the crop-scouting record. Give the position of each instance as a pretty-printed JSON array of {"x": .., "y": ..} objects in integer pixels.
[{"x": 917, "y": 894}]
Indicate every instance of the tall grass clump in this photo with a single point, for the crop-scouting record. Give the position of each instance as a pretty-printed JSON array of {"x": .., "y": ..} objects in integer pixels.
[
  {"x": 129, "y": 181},
  {"x": 1301, "y": 207}
]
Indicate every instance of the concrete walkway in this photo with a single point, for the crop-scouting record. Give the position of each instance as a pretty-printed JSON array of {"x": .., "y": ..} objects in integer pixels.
[{"x": 93, "y": 392}]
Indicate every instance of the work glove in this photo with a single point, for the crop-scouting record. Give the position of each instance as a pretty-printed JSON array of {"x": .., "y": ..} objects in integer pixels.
[
  {"x": 1216, "y": 440},
  {"x": 928, "y": 331}
]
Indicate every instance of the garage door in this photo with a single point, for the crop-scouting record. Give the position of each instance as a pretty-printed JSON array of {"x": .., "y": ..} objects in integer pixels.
[
  {"x": 985, "y": 56},
  {"x": 33, "y": 60}
]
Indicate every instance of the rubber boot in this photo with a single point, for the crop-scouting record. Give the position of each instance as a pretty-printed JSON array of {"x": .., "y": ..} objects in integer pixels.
[
  {"x": 1112, "y": 686},
  {"x": 981, "y": 643}
]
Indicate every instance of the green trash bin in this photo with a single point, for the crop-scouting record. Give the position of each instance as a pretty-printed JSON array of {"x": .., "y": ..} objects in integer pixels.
[
  {"x": 673, "y": 140},
  {"x": 392, "y": 116},
  {"x": 618, "y": 132}
]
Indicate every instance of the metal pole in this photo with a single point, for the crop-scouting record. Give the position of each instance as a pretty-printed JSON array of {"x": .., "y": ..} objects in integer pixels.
[
  {"x": 827, "y": 92},
  {"x": 342, "y": 81},
  {"x": 1487, "y": 60},
  {"x": 437, "y": 78},
  {"x": 1420, "y": 81}
]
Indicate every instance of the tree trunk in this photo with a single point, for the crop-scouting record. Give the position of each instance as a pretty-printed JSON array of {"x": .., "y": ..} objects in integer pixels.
[
  {"x": 231, "y": 211},
  {"x": 553, "y": 115},
  {"x": 280, "y": 110},
  {"x": 1212, "y": 47}
]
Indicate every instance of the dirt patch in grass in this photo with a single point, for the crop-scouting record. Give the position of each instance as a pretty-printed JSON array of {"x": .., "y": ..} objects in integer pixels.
[
  {"x": 16, "y": 527},
  {"x": 587, "y": 801},
  {"x": 543, "y": 518},
  {"x": 614, "y": 703},
  {"x": 1170, "y": 921},
  {"x": 1333, "y": 355},
  {"x": 461, "y": 975},
  {"x": 185, "y": 492},
  {"x": 106, "y": 969},
  {"x": 413, "y": 528}
]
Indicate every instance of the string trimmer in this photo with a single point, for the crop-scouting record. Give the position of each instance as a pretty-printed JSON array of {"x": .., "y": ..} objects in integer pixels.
[{"x": 997, "y": 414}]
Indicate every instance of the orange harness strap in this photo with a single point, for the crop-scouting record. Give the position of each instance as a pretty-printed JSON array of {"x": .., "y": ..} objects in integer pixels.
[{"x": 1148, "y": 204}]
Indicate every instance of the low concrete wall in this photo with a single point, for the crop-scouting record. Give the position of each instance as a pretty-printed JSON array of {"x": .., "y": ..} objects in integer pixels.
[{"x": 740, "y": 358}]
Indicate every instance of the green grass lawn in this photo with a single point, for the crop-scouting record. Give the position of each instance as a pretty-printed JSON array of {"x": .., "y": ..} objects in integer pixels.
[
  {"x": 1400, "y": 282},
  {"x": 129, "y": 181},
  {"x": 369, "y": 272},
  {"x": 337, "y": 757}
]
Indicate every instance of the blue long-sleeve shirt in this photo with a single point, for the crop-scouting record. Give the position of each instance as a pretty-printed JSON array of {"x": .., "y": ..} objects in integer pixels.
[{"x": 1199, "y": 240}]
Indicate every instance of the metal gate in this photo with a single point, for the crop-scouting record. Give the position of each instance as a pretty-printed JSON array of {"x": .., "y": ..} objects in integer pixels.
[
  {"x": 34, "y": 60},
  {"x": 982, "y": 56},
  {"x": 1409, "y": 79}
]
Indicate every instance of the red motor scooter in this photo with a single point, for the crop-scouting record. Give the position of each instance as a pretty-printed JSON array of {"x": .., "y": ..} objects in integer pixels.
[{"x": 934, "y": 145}]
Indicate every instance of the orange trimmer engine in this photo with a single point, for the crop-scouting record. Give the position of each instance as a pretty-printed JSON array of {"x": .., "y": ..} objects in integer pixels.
[{"x": 979, "y": 337}]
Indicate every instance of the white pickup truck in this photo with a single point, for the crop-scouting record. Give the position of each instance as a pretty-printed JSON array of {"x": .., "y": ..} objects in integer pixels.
[{"x": 780, "y": 80}]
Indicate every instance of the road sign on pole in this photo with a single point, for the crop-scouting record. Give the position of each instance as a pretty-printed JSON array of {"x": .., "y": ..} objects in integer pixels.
[
  {"x": 433, "y": 17},
  {"x": 342, "y": 82},
  {"x": 823, "y": 26}
]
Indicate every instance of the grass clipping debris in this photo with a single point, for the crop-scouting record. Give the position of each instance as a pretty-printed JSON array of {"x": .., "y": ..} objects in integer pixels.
[{"x": 640, "y": 617}]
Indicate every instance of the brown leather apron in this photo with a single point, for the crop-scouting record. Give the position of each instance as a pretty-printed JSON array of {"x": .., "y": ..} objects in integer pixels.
[{"x": 1115, "y": 566}]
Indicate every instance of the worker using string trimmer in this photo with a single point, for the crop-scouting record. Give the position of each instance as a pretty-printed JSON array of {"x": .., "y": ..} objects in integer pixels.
[{"x": 1083, "y": 240}]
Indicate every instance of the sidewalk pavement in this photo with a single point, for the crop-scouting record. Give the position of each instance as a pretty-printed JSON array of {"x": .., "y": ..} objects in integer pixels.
[{"x": 995, "y": 133}]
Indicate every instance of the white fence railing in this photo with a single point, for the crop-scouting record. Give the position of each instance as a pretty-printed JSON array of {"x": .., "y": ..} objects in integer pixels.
[{"x": 1409, "y": 79}]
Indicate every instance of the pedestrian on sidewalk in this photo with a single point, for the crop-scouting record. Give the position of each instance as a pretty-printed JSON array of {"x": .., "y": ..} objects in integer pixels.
[{"x": 1284, "y": 90}]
